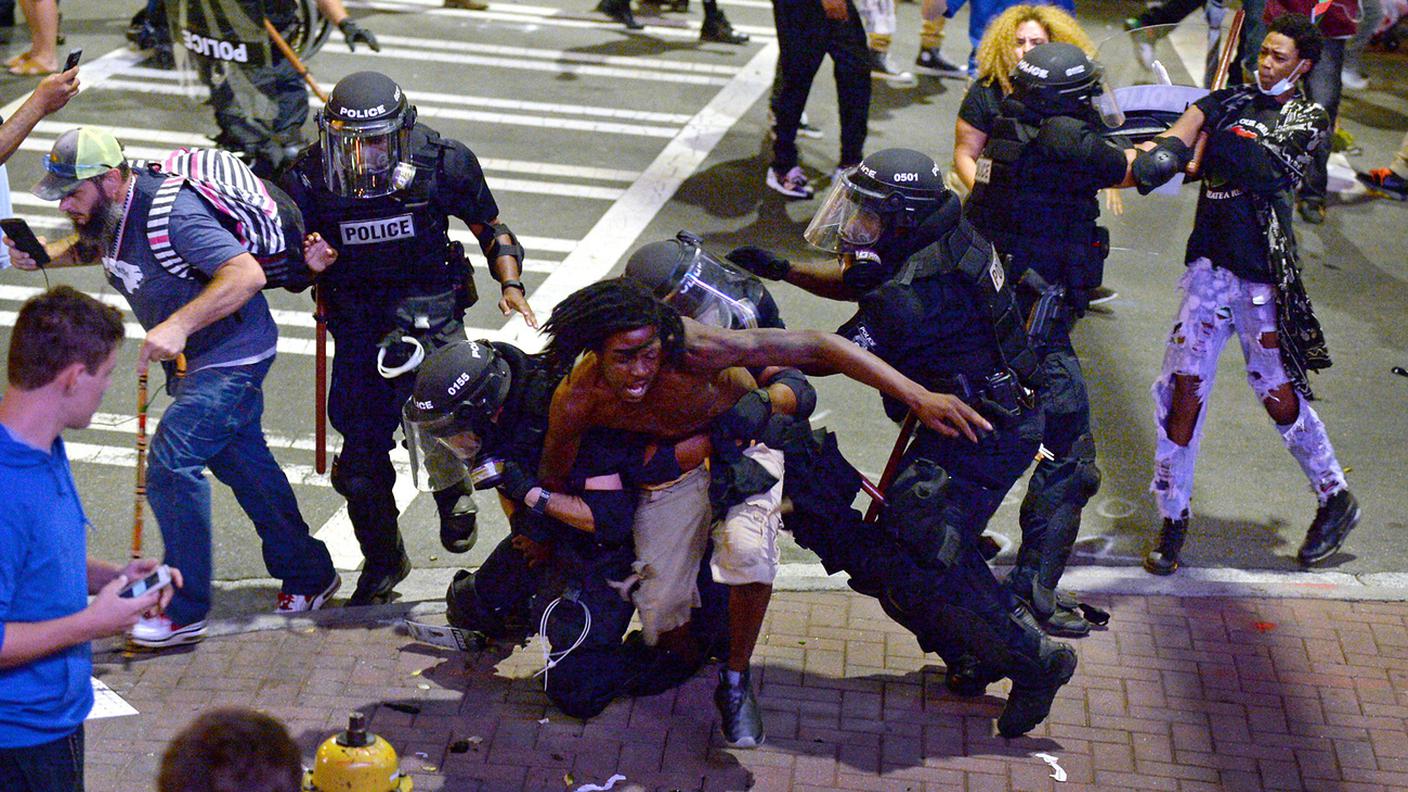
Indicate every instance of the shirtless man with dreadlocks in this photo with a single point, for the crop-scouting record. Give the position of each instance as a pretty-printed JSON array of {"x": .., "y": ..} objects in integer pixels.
[{"x": 643, "y": 368}]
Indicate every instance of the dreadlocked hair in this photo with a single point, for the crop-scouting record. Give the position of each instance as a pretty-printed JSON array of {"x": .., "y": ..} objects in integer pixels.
[{"x": 587, "y": 317}]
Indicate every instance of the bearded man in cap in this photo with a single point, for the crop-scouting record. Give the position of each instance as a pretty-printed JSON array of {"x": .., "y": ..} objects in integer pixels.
[{"x": 216, "y": 316}]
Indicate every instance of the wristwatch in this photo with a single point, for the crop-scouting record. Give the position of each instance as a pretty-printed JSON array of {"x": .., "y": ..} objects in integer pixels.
[
  {"x": 512, "y": 283},
  {"x": 541, "y": 506}
]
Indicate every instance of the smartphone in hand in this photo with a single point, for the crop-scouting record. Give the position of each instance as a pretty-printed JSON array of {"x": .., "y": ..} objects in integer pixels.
[
  {"x": 18, "y": 230},
  {"x": 159, "y": 579},
  {"x": 74, "y": 56}
]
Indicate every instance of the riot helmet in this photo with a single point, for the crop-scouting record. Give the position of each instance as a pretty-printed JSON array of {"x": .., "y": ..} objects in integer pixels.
[
  {"x": 365, "y": 132},
  {"x": 889, "y": 190},
  {"x": 458, "y": 392},
  {"x": 707, "y": 289},
  {"x": 1058, "y": 78}
]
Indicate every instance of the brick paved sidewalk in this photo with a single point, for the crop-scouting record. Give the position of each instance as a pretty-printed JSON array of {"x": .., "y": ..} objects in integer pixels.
[{"x": 1179, "y": 694}]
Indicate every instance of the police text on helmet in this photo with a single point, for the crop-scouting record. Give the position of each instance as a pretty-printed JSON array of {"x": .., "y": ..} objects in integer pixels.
[
  {"x": 369, "y": 112},
  {"x": 1035, "y": 71}
]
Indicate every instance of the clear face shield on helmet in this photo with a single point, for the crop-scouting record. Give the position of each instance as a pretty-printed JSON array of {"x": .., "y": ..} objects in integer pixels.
[
  {"x": 845, "y": 223},
  {"x": 365, "y": 160},
  {"x": 440, "y": 447},
  {"x": 1107, "y": 104},
  {"x": 714, "y": 292}
]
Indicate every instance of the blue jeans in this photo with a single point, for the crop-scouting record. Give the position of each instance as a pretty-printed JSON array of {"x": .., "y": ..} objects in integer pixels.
[
  {"x": 215, "y": 423},
  {"x": 50, "y": 767}
]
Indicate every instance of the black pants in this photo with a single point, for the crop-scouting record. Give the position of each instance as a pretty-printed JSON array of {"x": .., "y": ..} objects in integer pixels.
[
  {"x": 55, "y": 766},
  {"x": 804, "y": 37},
  {"x": 1322, "y": 86},
  {"x": 506, "y": 600},
  {"x": 365, "y": 408},
  {"x": 1061, "y": 486},
  {"x": 961, "y": 609}
]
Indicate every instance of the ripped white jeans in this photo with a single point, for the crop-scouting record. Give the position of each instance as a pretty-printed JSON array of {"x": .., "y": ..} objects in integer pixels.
[{"x": 1217, "y": 303}]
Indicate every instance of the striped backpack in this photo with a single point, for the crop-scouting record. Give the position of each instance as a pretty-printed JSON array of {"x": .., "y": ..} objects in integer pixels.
[{"x": 266, "y": 221}]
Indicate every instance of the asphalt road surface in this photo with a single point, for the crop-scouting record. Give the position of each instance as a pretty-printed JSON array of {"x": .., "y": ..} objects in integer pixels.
[{"x": 596, "y": 140}]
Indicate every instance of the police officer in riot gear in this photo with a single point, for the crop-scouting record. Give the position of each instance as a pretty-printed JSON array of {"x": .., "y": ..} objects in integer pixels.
[
  {"x": 701, "y": 286},
  {"x": 488, "y": 404},
  {"x": 1035, "y": 197},
  {"x": 382, "y": 187},
  {"x": 260, "y": 100},
  {"x": 934, "y": 302}
]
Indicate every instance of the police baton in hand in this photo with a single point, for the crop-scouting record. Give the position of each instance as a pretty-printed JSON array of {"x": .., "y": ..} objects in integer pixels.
[
  {"x": 320, "y": 382},
  {"x": 877, "y": 499},
  {"x": 1219, "y": 81},
  {"x": 293, "y": 59}
]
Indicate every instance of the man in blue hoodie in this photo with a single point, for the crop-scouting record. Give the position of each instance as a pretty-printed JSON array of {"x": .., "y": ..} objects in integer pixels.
[{"x": 62, "y": 354}]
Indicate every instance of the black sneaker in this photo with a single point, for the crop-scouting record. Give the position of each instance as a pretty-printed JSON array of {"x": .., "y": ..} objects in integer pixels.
[
  {"x": 457, "y": 511},
  {"x": 1101, "y": 294},
  {"x": 1163, "y": 559},
  {"x": 1333, "y": 522},
  {"x": 741, "y": 719},
  {"x": 882, "y": 68},
  {"x": 931, "y": 61},
  {"x": 1382, "y": 181},
  {"x": 375, "y": 585},
  {"x": 620, "y": 10},
  {"x": 1030, "y": 700},
  {"x": 717, "y": 28}
]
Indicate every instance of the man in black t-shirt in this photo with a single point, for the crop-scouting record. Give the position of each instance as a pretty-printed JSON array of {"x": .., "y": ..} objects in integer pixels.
[{"x": 1243, "y": 278}]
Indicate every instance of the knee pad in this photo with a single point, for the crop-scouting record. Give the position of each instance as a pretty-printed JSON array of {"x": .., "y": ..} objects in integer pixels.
[
  {"x": 353, "y": 483},
  {"x": 914, "y": 515}
]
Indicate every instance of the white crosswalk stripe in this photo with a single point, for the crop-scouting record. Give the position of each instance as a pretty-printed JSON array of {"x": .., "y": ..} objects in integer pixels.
[{"x": 533, "y": 17}]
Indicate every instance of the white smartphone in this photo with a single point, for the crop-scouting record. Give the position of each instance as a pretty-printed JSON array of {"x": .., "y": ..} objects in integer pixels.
[{"x": 159, "y": 579}]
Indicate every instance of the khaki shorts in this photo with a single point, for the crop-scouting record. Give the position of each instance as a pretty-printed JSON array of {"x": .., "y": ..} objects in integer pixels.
[
  {"x": 671, "y": 530},
  {"x": 745, "y": 541}
]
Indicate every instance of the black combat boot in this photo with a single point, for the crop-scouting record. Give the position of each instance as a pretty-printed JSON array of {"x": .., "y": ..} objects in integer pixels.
[
  {"x": 1163, "y": 559},
  {"x": 457, "y": 511},
  {"x": 717, "y": 28},
  {"x": 1030, "y": 700},
  {"x": 1333, "y": 522},
  {"x": 620, "y": 10},
  {"x": 377, "y": 581},
  {"x": 968, "y": 678}
]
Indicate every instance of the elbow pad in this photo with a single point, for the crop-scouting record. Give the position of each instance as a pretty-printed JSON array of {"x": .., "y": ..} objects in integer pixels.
[
  {"x": 802, "y": 390},
  {"x": 493, "y": 247},
  {"x": 1153, "y": 168}
]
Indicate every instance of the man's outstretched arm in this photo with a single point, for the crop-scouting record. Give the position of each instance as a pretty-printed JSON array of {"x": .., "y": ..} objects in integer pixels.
[{"x": 819, "y": 354}]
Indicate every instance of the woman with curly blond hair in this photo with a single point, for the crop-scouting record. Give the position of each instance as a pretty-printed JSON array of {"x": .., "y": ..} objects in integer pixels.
[{"x": 1010, "y": 36}]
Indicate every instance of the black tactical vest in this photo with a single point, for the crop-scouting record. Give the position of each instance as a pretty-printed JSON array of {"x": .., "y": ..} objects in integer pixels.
[
  {"x": 962, "y": 253},
  {"x": 399, "y": 239},
  {"x": 1033, "y": 210}
]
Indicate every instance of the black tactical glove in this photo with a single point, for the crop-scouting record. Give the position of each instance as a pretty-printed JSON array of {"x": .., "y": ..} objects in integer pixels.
[
  {"x": 743, "y": 422},
  {"x": 516, "y": 482},
  {"x": 760, "y": 262},
  {"x": 355, "y": 33}
]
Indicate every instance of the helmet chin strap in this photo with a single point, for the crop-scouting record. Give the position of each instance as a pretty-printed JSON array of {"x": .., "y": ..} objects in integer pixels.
[{"x": 1284, "y": 84}]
